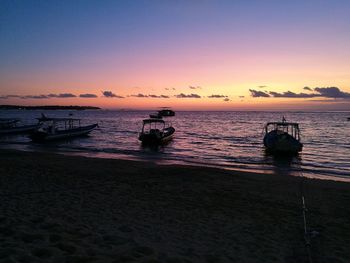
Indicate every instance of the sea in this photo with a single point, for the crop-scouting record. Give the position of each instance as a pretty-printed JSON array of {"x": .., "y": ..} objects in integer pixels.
[{"x": 230, "y": 140}]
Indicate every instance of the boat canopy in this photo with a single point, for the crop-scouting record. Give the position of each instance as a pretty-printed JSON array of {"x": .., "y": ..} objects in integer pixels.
[
  {"x": 146, "y": 121},
  {"x": 284, "y": 126},
  {"x": 283, "y": 123}
]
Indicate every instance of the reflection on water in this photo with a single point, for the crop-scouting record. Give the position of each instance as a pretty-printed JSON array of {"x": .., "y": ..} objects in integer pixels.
[
  {"x": 232, "y": 140},
  {"x": 284, "y": 164}
]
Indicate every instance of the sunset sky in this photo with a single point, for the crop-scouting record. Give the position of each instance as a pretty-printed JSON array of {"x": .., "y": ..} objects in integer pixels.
[{"x": 200, "y": 55}]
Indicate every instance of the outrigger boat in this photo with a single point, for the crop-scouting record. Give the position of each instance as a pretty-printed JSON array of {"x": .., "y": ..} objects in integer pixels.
[
  {"x": 10, "y": 126},
  {"x": 155, "y": 131},
  {"x": 282, "y": 137},
  {"x": 60, "y": 128}
]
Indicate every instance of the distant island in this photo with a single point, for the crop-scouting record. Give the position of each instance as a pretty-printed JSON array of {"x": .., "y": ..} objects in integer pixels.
[{"x": 52, "y": 107}]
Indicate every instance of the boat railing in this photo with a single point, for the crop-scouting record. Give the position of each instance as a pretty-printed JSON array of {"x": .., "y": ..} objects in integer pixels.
[
  {"x": 53, "y": 125},
  {"x": 285, "y": 127}
]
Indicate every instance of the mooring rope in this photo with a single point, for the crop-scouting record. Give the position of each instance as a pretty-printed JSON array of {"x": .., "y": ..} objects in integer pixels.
[{"x": 307, "y": 237}]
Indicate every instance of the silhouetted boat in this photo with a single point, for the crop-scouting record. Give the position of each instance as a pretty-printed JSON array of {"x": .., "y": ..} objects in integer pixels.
[
  {"x": 162, "y": 113},
  {"x": 282, "y": 137},
  {"x": 11, "y": 126},
  {"x": 154, "y": 131},
  {"x": 60, "y": 128},
  {"x": 166, "y": 113}
]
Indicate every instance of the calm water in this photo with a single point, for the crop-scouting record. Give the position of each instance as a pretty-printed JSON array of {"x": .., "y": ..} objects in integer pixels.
[{"x": 231, "y": 140}]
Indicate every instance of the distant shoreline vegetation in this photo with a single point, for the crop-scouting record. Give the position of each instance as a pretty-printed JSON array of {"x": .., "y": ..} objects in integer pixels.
[{"x": 51, "y": 107}]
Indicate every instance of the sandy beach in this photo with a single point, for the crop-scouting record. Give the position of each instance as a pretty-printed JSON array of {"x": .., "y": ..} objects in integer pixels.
[{"x": 57, "y": 208}]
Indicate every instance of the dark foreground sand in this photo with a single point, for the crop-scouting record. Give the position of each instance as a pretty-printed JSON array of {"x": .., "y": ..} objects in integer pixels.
[{"x": 56, "y": 208}]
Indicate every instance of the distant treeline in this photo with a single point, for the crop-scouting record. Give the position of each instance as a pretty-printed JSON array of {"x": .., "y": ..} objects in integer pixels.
[{"x": 54, "y": 107}]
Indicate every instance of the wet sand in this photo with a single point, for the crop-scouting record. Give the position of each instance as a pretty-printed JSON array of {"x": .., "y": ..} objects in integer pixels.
[{"x": 57, "y": 208}]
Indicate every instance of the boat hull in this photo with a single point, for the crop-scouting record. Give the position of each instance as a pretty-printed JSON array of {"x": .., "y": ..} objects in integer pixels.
[
  {"x": 40, "y": 136},
  {"x": 282, "y": 143},
  {"x": 153, "y": 139},
  {"x": 19, "y": 129}
]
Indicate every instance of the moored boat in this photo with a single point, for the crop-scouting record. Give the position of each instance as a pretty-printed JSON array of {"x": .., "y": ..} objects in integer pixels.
[
  {"x": 282, "y": 137},
  {"x": 60, "y": 128},
  {"x": 10, "y": 126},
  {"x": 155, "y": 131},
  {"x": 166, "y": 113}
]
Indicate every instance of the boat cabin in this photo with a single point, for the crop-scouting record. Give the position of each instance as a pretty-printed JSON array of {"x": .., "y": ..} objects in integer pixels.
[{"x": 284, "y": 127}]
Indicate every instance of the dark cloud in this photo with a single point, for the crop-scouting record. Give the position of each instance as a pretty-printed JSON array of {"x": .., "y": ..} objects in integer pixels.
[
  {"x": 173, "y": 88},
  {"x": 66, "y": 95},
  {"x": 262, "y": 86},
  {"x": 332, "y": 92},
  {"x": 158, "y": 96},
  {"x": 166, "y": 88},
  {"x": 87, "y": 95},
  {"x": 325, "y": 92},
  {"x": 216, "y": 96},
  {"x": 140, "y": 95},
  {"x": 61, "y": 95},
  {"x": 182, "y": 96},
  {"x": 35, "y": 97},
  {"x": 241, "y": 97},
  {"x": 195, "y": 87},
  {"x": 110, "y": 94},
  {"x": 227, "y": 99},
  {"x": 9, "y": 96},
  {"x": 290, "y": 94},
  {"x": 258, "y": 93}
]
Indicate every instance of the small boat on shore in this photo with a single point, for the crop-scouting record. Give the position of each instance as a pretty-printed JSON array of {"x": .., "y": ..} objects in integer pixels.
[
  {"x": 282, "y": 137},
  {"x": 60, "y": 128},
  {"x": 155, "y": 131},
  {"x": 10, "y": 126}
]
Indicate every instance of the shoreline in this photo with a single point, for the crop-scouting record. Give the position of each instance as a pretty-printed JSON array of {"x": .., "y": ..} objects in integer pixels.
[
  {"x": 177, "y": 162},
  {"x": 64, "y": 208}
]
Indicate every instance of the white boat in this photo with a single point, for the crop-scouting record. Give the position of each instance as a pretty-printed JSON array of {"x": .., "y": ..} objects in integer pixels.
[
  {"x": 282, "y": 137},
  {"x": 60, "y": 128},
  {"x": 10, "y": 126}
]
